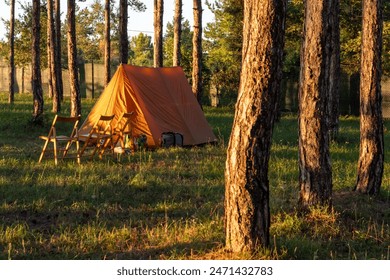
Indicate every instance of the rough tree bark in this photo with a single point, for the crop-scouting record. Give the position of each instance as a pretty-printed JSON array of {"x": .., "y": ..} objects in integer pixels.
[
  {"x": 247, "y": 212},
  {"x": 11, "y": 96},
  {"x": 371, "y": 159},
  {"x": 57, "y": 26},
  {"x": 107, "y": 43},
  {"x": 36, "y": 79},
  {"x": 123, "y": 37},
  {"x": 315, "y": 174},
  {"x": 177, "y": 33},
  {"x": 197, "y": 88},
  {"x": 334, "y": 71},
  {"x": 158, "y": 32},
  {"x": 53, "y": 67},
  {"x": 75, "y": 102}
]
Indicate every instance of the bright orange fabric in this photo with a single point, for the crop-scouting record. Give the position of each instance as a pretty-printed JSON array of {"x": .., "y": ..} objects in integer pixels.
[{"x": 162, "y": 101}]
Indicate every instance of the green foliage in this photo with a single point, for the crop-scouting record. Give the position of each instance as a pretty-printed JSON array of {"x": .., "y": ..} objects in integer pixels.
[
  {"x": 23, "y": 37},
  {"x": 293, "y": 38},
  {"x": 186, "y": 46},
  {"x": 141, "y": 50},
  {"x": 90, "y": 31},
  {"x": 224, "y": 44}
]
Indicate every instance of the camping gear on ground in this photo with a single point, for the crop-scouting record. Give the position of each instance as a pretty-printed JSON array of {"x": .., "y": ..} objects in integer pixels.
[
  {"x": 61, "y": 142},
  {"x": 169, "y": 139},
  {"x": 162, "y": 100}
]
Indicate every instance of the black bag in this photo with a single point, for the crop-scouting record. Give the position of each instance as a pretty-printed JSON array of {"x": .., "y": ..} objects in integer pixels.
[{"x": 169, "y": 139}]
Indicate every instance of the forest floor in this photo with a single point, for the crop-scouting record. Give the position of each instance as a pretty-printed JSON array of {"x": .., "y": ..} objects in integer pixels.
[{"x": 169, "y": 203}]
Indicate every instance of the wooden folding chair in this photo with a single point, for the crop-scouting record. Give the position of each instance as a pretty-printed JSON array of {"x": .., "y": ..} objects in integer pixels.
[
  {"x": 99, "y": 137},
  {"x": 123, "y": 128},
  {"x": 59, "y": 127}
]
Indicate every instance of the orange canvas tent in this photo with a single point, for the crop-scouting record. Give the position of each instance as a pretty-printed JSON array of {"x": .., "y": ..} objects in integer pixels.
[{"x": 162, "y": 101}]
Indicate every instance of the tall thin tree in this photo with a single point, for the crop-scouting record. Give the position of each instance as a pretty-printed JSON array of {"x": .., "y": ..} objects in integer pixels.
[
  {"x": 75, "y": 100},
  {"x": 158, "y": 32},
  {"x": 58, "y": 63},
  {"x": 334, "y": 70},
  {"x": 371, "y": 159},
  {"x": 11, "y": 95},
  {"x": 177, "y": 32},
  {"x": 53, "y": 68},
  {"x": 315, "y": 174},
  {"x": 107, "y": 43},
  {"x": 123, "y": 37},
  {"x": 247, "y": 211},
  {"x": 197, "y": 88},
  {"x": 36, "y": 78}
]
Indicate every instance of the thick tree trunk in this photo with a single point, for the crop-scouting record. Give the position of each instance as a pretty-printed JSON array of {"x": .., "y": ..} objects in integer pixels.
[
  {"x": 197, "y": 88},
  {"x": 158, "y": 32},
  {"x": 11, "y": 96},
  {"x": 75, "y": 102},
  {"x": 57, "y": 26},
  {"x": 107, "y": 44},
  {"x": 315, "y": 174},
  {"x": 52, "y": 58},
  {"x": 334, "y": 71},
  {"x": 177, "y": 33},
  {"x": 123, "y": 37},
  {"x": 247, "y": 211},
  {"x": 36, "y": 80},
  {"x": 371, "y": 160}
]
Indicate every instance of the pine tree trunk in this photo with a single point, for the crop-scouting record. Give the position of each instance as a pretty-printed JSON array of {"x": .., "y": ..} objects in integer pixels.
[
  {"x": 11, "y": 96},
  {"x": 123, "y": 37},
  {"x": 247, "y": 211},
  {"x": 57, "y": 26},
  {"x": 107, "y": 44},
  {"x": 315, "y": 174},
  {"x": 49, "y": 63},
  {"x": 75, "y": 102},
  {"x": 334, "y": 72},
  {"x": 197, "y": 52},
  {"x": 36, "y": 80},
  {"x": 53, "y": 60},
  {"x": 158, "y": 32},
  {"x": 371, "y": 160},
  {"x": 177, "y": 33}
]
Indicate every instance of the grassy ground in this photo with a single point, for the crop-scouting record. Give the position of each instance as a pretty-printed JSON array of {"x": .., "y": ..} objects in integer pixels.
[{"x": 168, "y": 203}]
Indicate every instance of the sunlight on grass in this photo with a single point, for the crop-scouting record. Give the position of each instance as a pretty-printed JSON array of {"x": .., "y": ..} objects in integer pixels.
[{"x": 169, "y": 203}]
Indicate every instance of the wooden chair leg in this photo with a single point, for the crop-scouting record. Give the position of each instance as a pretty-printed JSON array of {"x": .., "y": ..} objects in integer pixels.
[
  {"x": 67, "y": 147},
  {"x": 43, "y": 151},
  {"x": 55, "y": 152},
  {"x": 78, "y": 151}
]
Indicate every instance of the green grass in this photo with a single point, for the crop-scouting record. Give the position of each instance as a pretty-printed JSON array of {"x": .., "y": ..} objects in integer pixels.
[{"x": 168, "y": 203}]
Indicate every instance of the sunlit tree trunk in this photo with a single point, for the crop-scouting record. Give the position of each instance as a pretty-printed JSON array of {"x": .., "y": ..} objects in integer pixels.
[
  {"x": 177, "y": 33},
  {"x": 197, "y": 88},
  {"x": 53, "y": 68},
  {"x": 371, "y": 160},
  {"x": 334, "y": 71},
  {"x": 49, "y": 62},
  {"x": 75, "y": 101},
  {"x": 58, "y": 63},
  {"x": 107, "y": 44},
  {"x": 247, "y": 210},
  {"x": 36, "y": 80},
  {"x": 123, "y": 37},
  {"x": 11, "y": 95},
  {"x": 315, "y": 174},
  {"x": 158, "y": 32}
]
